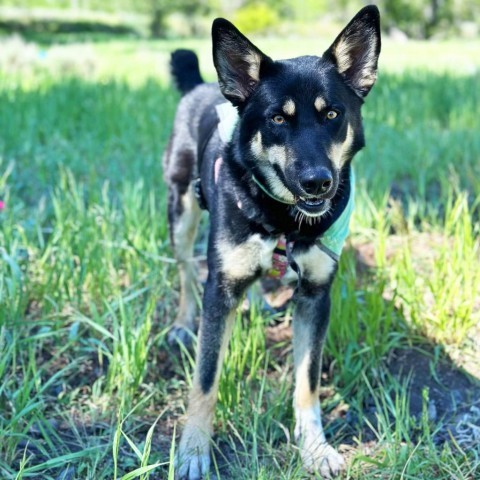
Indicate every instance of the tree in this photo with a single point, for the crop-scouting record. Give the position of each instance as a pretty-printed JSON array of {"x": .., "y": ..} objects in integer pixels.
[
  {"x": 420, "y": 18},
  {"x": 159, "y": 9}
]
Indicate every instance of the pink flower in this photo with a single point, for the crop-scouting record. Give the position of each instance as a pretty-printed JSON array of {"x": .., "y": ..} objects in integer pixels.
[{"x": 2, "y": 205}]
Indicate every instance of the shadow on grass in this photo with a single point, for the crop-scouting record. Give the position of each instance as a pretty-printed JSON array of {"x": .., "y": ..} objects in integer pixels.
[{"x": 100, "y": 132}]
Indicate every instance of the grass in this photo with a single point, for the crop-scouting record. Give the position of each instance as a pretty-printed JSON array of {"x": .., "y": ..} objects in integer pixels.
[{"x": 89, "y": 387}]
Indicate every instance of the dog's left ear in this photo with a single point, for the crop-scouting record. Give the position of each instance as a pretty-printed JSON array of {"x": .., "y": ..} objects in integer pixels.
[
  {"x": 355, "y": 51},
  {"x": 237, "y": 61}
]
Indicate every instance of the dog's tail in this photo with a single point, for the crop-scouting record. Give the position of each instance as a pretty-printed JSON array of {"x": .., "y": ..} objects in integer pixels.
[{"x": 185, "y": 70}]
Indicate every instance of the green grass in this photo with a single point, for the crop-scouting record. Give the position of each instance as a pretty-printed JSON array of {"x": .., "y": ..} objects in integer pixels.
[{"x": 89, "y": 387}]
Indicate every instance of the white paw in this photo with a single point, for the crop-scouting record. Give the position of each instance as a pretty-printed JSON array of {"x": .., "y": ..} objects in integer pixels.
[
  {"x": 192, "y": 461},
  {"x": 322, "y": 458}
]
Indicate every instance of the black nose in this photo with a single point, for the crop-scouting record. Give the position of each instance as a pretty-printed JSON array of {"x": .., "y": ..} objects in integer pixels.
[{"x": 316, "y": 182}]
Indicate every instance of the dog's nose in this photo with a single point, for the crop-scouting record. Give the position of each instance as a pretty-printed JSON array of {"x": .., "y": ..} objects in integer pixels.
[{"x": 316, "y": 182}]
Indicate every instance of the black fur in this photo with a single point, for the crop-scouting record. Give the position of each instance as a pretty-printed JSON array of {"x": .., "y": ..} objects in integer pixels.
[
  {"x": 303, "y": 160},
  {"x": 185, "y": 71}
]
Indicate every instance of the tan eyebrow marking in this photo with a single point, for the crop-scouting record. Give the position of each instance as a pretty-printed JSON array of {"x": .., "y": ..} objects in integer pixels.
[
  {"x": 289, "y": 107},
  {"x": 320, "y": 104}
]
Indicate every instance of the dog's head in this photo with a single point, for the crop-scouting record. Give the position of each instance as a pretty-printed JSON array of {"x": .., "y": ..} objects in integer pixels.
[{"x": 300, "y": 118}]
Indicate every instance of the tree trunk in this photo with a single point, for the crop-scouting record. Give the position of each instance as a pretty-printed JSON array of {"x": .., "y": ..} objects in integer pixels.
[
  {"x": 157, "y": 25},
  {"x": 433, "y": 21}
]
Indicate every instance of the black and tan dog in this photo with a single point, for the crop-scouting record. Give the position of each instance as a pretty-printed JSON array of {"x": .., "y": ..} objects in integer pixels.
[{"x": 281, "y": 169}]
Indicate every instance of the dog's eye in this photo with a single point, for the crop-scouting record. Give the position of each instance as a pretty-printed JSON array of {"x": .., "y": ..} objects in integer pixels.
[
  {"x": 278, "y": 119},
  {"x": 331, "y": 114}
]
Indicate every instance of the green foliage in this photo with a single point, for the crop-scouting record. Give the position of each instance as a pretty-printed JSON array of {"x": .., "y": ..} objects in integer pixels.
[
  {"x": 157, "y": 10},
  {"x": 417, "y": 18},
  {"x": 307, "y": 10},
  {"x": 255, "y": 18},
  {"x": 425, "y": 18},
  {"x": 405, "y": 15},
  {"x": 36, "y": 28}
]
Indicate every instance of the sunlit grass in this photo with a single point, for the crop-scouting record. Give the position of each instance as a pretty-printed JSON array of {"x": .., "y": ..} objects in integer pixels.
[{"x": 89, "y": 387}]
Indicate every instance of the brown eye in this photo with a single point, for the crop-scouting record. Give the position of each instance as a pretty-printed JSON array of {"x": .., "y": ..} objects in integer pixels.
[
  {"x": 278, "y": 119},
  {"x": 331, "y": 114}
]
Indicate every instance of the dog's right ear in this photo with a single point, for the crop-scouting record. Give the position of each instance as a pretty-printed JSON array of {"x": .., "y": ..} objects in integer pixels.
[
  {"x": 355, "y": 51},
  {"x": 237, "y": 61}
]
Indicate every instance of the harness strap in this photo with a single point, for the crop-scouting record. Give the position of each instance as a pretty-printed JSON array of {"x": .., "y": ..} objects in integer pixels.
[
  {"x": 335, "y": 257},
  {"x": 206, "y": 129}
]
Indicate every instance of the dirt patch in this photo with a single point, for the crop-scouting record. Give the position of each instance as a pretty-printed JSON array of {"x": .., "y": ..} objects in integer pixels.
[
  {"x": 437, "y": 388},
  {"x": 423, "y": 248},
  {"x": 437, "y": 392}
]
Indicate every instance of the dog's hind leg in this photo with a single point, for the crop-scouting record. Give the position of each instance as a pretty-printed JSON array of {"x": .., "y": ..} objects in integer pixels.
[
  {"x": 310, "y": 324},
  {"x": 184, "y": 216}
]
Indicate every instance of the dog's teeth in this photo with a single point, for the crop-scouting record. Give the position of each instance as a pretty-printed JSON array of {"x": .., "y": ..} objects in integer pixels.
[{"x": 314, "y": 201}]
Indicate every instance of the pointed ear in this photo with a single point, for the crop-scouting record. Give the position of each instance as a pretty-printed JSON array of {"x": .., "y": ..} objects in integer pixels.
[
  {"x": 355, "y": 51},
  {"x": 236, "y": 60}
]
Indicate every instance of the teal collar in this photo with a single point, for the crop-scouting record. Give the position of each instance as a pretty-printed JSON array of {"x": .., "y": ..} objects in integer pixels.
[{"x": 270, "y": 194}]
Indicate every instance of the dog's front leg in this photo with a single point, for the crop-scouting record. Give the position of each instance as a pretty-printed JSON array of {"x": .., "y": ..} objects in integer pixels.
[
  {"x": 193, "y": 456},
  {"x": 232, "y": 267},
  {"x": 309, "y": 328}
]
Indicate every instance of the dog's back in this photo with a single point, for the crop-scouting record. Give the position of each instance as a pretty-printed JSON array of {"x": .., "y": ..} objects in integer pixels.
[{"x": 198, "y": 99}]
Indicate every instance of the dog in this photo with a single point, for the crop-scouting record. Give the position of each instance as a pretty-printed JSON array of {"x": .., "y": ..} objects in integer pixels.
[{"x": 267, "y": 151}]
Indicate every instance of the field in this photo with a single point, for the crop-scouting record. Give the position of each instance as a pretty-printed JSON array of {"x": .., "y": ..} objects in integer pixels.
[{"x": 90, "y": 389}]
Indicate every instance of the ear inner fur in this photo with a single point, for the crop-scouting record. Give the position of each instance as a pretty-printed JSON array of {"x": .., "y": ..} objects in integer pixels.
[
  {"x": 237, "y": 61},
  {"x": 355, "y": 51}
]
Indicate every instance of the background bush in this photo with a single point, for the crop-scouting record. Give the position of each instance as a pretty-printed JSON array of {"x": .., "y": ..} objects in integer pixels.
[
  {"x": 256, "y": 17},
  {"x": 416, "y": 18}
]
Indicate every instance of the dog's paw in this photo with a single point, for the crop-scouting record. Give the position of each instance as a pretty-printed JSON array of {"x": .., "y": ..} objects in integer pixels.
[
  {"x": 180, "y": 336},
  {"x": 192, "y": 461},
  {"x": 192, "y": 467},
  {"x": 322, "y": 458}
]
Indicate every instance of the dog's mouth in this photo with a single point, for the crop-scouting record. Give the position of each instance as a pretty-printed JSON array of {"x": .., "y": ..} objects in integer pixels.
[{"x": 313, "y": 206}]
